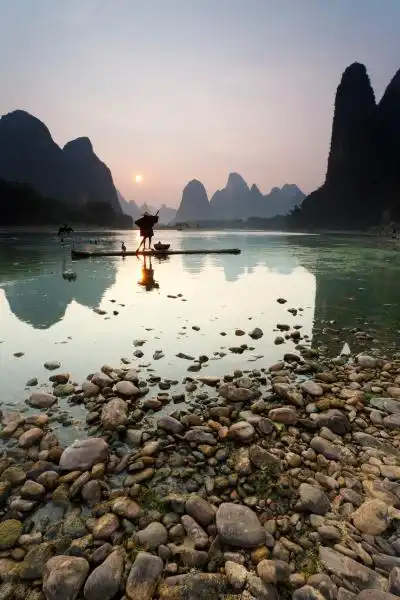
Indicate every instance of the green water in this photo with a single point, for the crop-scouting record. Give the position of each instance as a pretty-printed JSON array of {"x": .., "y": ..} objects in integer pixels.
[{"x": 340, "y": 283}]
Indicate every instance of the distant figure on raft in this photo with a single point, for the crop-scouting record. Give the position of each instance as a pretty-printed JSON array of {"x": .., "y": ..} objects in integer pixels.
[
  {"x": 65, "y": 229},
  {"x": 123, "y": 247},
  {"x": 146, "y": 224}
]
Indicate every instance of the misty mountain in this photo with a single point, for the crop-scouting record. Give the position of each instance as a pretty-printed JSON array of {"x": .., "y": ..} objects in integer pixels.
[
  {"x": 194, "y": 205},
  {"x": 237, "y": 201},
  {"x": 362, "y": 180},
  {"x": 129, "y": 207},
  {"x": 73, "y": 175}
]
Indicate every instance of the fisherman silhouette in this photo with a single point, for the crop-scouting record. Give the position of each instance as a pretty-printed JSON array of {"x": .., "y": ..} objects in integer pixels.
[{"x": 146, "y": 224}]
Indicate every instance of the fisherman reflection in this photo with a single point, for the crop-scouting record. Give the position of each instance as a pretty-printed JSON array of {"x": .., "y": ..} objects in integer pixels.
[{"x": 147, "y": 275}]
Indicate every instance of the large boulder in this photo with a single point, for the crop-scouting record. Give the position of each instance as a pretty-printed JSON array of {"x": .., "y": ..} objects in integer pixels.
[
  {"x": 64, "y": 577},
  {"x": 83, "y": 454},
  {"x": 239, "y": 526},
  {"x": 105, "y": 581},
  {"x": 143, "y": 577}
]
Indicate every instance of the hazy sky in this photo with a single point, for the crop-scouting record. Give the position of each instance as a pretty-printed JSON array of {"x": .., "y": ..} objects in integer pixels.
[{"x": 181, "y": 89}]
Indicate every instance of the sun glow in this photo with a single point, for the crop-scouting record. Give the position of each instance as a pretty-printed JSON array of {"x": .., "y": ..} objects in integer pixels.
[{"x": 138, "y": 178}]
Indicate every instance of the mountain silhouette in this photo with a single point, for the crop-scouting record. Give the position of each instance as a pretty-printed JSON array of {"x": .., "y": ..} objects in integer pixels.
[
  {"x": 237, "y": 201},
  {"x": 194, "y": 205},
  {"x": 362, "y": 181},
  {"x": 72, "y": 176}
]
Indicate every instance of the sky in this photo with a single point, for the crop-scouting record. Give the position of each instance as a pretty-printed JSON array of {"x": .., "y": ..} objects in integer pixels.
[{"x": 180, "y": 89}]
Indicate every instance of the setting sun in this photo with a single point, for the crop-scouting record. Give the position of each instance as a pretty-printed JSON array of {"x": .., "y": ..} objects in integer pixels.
[{"x": 138, "y": 178}]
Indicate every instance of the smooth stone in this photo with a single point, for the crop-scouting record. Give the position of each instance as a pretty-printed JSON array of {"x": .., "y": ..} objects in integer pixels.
[
  {"x": 210, "y": 381},
  {"x": 170, "y": 424},
  {"x": 105, "y": 581},
  {"x": 256, "y": 333},
  {"x": 126, "y": 508},
  {"x": 389, "y": 405},
  {"x": 371, "y": 517},
  {"x": 242, "y": 431},
  {"x": 335, "y": 420},
  {"x": 261, "y": 590},
  {"x": 273, "y": 571},
  {"x": 201, "y": 510},
  {"x": 102, "y": 380},
  {"x": 105, "y": 527},
  {"x": 235, "y": 394},
  {"x": 312, "y": 388},
  {"x": 114, "y": 414},
  {"x": 143, "y": 577},
  {"x": 392, "y": 421},
  {"x": 394, "y": 581},
  {"x": 126, "y": 389},
  {"x": 32, "y": 490},
  {"x": 376, "y": 595},
  {"x": 328, "y": 449},
  {"x": 195, "y": 532},
  {"x": 52, "y": 365},
  {"x": 90, "y": 389},
  {"x": 370, "y": 441},
  {"x": 307, "y": 592},
  {"x": 262, "y": 459},
  {"x": 83, "y": 454},
  {"x": 91, "y": 492},
  {"x": 348, "y": 569},
  {"x": 367, "y": 362},
  {"x": 238, "y": 525},
  {"x": 64, "y": 576},
  {"x": 312, "y": 499},
  {"x": 152, "y": 536},
  {"x": 236, "y": 575},
  {"x": 32, "y": 566},
  {"x": 30, "y": 438},
  {"x": 41, "y": 400},
  {"x": 284, "y": 414}
]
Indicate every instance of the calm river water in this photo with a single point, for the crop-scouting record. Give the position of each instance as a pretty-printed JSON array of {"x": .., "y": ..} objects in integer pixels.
[{"x": 339, "y": 282}]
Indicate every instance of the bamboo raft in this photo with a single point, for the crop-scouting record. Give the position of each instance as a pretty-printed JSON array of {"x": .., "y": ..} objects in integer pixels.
[{"x": 92, "y": 254}]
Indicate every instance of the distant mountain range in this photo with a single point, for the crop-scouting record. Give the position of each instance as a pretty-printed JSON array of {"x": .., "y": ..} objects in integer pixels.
[
  {"x": 236, "y": 201},
  {"x": 362, "y": 183},
  {"x": 129, "y": 207},
  {"x": 61, "y": 183}
]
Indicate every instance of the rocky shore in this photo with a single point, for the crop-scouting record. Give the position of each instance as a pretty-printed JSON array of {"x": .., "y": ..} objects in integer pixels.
[{"x": 268, "y": 484}]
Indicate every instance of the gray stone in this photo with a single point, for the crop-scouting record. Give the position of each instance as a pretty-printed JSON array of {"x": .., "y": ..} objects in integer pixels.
[
  {"x": 127, "y": 389},
  {"x": 238, "y": 525},
  {"x": 91, "y": 492},
  {"x": 261, "y": 590},
  {"x": 348, "y": 569},
  {"x": 312, "y": 388},
  {"x": 389, "y": 405},
  {"x": 273, "y": 571},
  {"x": 235, "y": 394},
  {"x": 114, "y": 414},
  {"x": 242, "y": 431},
  {"x": 201, "y": 510},
  {"x": 105, "y": 527},
  {"x": 198, "y": 435},
  {"x": 64, "y": 577},
  {"x": 152, "y": 536},
  {"x": 52, "y": 365},
  {"x": 335, "y": 420},
  {"x": 170, "y": 424},
  {"x": 30, "y": 438},
  {"x": 328, "y": 449},
  {"x": 372, "y": 517},
  {"x": 90, "y": 389},
  {"x": 102, "y": 380},
  {"x": 126, "y": 508},
  {"x": 376, "y": 595},
  {"x": 367, "y": 362},
  {"x": 370, "y": 441},
  {"x": 284, "y": 414},
  {"x": 32, "y": 566},
  {"x": 307, "y": 592},
  {"x": 262, "y": 459},
  {"x": 105, "y": 581},
  {"x": 313, "y": 499},
  {"x": 42, "y": 400},
  {"x": 256, "y": 333},
  {"x": 236, "y": 574},
  {"x": 394, "y": 581},
  {"x": 143, "y": 577},
  {"x": 83, "y": 454},
  {"x": 392, "y": 421},
  {"x": 195, "y": 532}
]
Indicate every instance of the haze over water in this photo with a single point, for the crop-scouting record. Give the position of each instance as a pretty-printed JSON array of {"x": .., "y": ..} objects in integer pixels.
[{"x": 338, "y": 282}]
